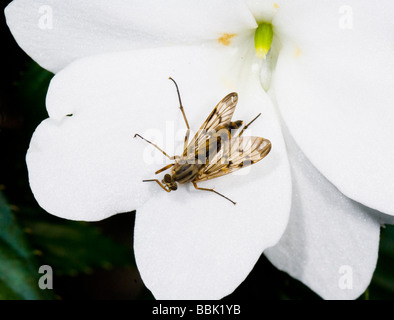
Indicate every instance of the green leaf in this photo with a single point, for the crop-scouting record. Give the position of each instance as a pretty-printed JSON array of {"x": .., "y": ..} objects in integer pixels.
[
  {"x": 10, "y": 232},
  {"x": 18, "y": 270},
  {"x": 32, "y": 90},
  {"x": 72, "y": 247},
  {"x": 382, "y": 285},
  {"x": 6, "y": 293}
]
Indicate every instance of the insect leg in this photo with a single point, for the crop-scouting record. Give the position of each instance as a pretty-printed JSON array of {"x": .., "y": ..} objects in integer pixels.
[
  {"x": 180, "y": 103},
  {"x": 171, "y": 158},
  {"x": 206, "y": 189},
  {"x": 185, "y": 142},
  {"x": 164, "y": 168},
  {"x": 184, "y": 117},
  {"x": 245, "y": 127},
  {"x": 160, "y": 184}
]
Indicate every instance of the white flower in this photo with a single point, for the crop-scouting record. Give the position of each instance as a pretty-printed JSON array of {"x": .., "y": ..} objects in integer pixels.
[{"x": 332, "y": 71}]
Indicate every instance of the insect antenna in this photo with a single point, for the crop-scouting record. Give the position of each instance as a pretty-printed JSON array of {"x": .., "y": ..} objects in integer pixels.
[{"x": 245, "y": 127}]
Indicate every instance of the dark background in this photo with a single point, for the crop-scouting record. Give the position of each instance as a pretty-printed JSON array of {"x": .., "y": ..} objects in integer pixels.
[{"x": 109, "y": 271}]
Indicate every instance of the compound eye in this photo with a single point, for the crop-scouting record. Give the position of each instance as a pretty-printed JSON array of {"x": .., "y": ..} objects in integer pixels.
[
  {"x": 167, "y": 178},
  {"x": 174, "y": 186}
]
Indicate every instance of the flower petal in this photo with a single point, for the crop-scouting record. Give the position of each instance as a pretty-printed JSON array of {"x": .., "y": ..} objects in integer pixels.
[
  {"x": 88, "y": 166},
  {"x": 82, "y": 161},
  {"x": 331, "y": 242},
  {"x": 264, "y": 10},
  {"x": 193, "y": 244},
  {"x": 56, "y": 32},
  {"x": 334, "y": 86}
]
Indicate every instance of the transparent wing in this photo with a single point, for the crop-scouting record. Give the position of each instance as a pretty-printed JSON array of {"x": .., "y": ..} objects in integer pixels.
[
  {"x": 234, "y": 154},
  {"x": 220, "y": 117}
]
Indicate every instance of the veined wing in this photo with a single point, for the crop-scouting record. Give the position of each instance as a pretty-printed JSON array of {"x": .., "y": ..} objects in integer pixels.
[
  {"x": 234, "y": 154},
  {"x": 219, "y": 117}
]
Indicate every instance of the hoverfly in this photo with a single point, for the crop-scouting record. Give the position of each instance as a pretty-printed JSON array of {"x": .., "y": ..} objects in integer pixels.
[{"x": 213, "y": 152}]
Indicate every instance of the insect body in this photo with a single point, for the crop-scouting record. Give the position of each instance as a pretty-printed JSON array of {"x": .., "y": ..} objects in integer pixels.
[{"x": 214, "y": 151}]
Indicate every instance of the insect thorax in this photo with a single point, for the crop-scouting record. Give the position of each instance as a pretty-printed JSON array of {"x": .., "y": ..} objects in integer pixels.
[{"x": 184, "y": 171}]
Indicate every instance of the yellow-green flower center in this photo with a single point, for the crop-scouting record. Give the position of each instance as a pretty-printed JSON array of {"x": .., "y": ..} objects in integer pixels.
[{"x": 263, "y": 39}]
